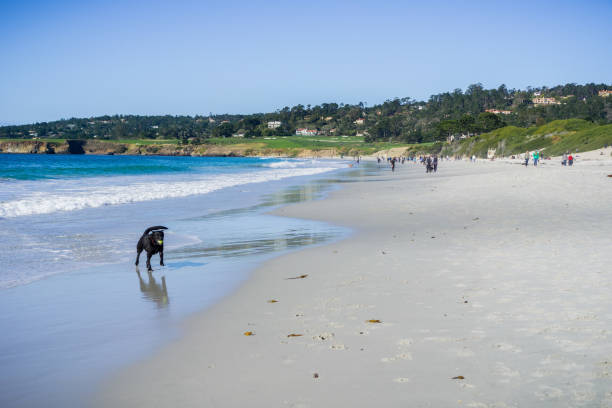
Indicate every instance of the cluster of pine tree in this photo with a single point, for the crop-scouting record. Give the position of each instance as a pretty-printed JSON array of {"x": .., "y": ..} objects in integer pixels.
[{"x": 473, "y": 111}]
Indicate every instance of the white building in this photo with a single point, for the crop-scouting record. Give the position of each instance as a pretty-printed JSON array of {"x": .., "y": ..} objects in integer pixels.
[
  {"x": 497, "y": 111},
  {"x": 306, "y": 132},
  {"x": 545, "y": 101},
  {"x": 275, "y": 124}
]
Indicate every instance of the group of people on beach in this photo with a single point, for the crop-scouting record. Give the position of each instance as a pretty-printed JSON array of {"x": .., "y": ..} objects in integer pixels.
[
  {"x": 566, "y": 160},
  {"x": 430, "y": 162}
]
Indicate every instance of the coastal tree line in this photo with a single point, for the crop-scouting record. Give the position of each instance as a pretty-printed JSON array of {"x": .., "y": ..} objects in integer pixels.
[{"x": 397, "y": 119}]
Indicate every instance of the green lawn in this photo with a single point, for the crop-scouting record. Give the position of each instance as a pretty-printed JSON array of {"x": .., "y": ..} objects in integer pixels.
[{"x": 310, "y": 142}]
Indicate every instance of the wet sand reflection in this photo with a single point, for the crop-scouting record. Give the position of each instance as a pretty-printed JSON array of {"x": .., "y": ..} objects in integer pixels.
[{"x": 153, "y": 291}]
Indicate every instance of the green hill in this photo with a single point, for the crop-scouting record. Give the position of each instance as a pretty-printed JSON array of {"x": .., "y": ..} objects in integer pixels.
[{"x": 553, "y": 139}]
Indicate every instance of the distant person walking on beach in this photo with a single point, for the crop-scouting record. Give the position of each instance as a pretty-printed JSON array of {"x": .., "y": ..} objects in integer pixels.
[
  {"x": 570, "y": 159},
  {"x": 526, "y": 159},
  {"x": 393, "y": 164},
  {"x": 564, "y": 159},
  {"x": 536, "y": 157},
  {"x": 435, "y": 163}
]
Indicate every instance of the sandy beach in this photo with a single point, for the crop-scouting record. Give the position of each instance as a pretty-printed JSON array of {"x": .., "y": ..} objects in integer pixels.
[{"x": 484, "y": 285}]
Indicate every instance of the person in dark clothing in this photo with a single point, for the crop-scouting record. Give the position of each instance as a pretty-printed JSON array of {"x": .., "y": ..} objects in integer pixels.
[
  {"x": 393, "y": 164},
  {"x": 435, "y": 164},
  {"x": 428, "y": 165}
]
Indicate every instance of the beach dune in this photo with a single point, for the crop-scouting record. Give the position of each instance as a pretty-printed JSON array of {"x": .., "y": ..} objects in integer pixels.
[{"x": 484, "y": 285}]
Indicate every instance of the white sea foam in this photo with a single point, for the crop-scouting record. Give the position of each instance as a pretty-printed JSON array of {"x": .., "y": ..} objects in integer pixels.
[
  {"x": 291, "y": 164},
  {"x": 46, "y": 202}
]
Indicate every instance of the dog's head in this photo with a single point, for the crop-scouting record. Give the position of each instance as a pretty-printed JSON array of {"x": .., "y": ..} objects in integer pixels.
[{"x": 157, "y": 237}]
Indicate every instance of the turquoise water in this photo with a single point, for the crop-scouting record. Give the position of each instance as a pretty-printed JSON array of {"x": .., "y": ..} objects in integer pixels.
[{"x": 37, "y": 167}]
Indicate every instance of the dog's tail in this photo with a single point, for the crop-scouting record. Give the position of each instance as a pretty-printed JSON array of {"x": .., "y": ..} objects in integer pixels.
[{"x": 159, "y": 227}]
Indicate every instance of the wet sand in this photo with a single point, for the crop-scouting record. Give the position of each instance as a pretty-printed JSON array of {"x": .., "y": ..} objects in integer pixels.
[{"x": 483, "y": 285}]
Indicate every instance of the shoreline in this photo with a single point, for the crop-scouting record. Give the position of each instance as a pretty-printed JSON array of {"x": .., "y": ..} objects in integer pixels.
[{"x": 420, "y": 293}]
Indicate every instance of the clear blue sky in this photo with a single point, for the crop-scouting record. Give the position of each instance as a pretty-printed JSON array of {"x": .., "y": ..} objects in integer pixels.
[{"x": 63, "y": 58}]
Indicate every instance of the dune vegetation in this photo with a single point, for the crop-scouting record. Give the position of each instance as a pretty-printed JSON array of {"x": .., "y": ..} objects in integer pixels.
[{"x": 553, "y": 138}]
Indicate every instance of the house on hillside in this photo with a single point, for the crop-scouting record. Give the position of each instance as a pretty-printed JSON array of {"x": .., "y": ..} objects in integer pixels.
[
  {"x": 545, "y": 101},
  {"x": 604, "y": 93},
  {"x": 306, "y": 132},
  {"x": 359, "y": 121},
  {"x": 499, "y": 112},
  {"x": 275, "y": 124}
]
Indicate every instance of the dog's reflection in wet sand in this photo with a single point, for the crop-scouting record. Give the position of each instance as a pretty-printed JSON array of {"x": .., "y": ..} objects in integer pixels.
[{"x": 153, "y": 290}]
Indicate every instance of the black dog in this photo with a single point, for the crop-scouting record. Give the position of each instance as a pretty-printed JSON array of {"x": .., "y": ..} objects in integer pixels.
[{"x": 151, "y": 241}]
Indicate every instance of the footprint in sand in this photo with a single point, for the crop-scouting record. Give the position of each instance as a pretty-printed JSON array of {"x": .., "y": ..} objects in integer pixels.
[
  {"x": 463, "y": 352},
  {"x": 401, "y": 380},
  {"x": 546, "y": 392},
  {"x": 507, "y": 347},
  {"x": 405, "y": 342},
  {"x": 505, "y": 373},
  {"x": 397, "y": 357}
]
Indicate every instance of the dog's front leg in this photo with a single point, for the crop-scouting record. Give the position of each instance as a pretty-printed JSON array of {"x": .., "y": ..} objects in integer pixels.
[
  {"x": 149, "y": 255},
  {"x": 161, "y": 258}
]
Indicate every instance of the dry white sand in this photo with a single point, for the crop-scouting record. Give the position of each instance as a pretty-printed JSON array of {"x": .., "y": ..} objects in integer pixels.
[{"x": 494, "y": 272}]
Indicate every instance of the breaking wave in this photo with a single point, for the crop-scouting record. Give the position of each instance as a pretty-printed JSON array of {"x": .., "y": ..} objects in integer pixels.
[{"x": 97, "y": 196}]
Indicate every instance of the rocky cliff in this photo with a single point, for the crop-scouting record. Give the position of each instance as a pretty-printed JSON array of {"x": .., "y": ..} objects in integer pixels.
[{"x": 113, "y": 148}]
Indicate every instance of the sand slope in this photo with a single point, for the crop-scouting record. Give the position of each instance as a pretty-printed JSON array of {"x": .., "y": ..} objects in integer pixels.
[{"x": 489, "y": 271}]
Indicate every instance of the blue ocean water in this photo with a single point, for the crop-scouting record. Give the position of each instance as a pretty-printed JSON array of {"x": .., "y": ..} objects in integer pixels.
[
  {"x": 73, "y": 308},
  {"x": 46, "y": 202}
]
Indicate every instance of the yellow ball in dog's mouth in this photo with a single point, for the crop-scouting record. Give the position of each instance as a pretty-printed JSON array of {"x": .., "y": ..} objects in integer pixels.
[{"x": 160, "y": 242}]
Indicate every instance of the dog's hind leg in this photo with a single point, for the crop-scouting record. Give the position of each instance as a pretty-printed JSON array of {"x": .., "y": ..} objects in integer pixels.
[
  {"x": 138, "y": 251},
  {"x": 161, "y": 258}
]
